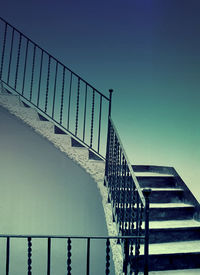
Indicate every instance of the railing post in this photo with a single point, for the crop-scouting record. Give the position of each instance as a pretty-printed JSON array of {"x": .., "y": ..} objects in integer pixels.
[
  {"x": 108, "y": 133},
  {"x": 88, "y": 257},
  {"x": 146, "y": 193},
  {"x": 110, "y": 101}
]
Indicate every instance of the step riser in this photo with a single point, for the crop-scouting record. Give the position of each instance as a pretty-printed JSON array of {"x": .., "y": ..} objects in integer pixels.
[
  {"x": 156, "y": 196},
  {"x": 174, "y": 235},
  {"x": 172, "y": 261},
  {"x": 157, "y": 182},
  {"x": 157, "y": 214}
]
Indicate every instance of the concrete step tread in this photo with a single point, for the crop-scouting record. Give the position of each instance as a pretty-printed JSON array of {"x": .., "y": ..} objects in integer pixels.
[
  {"x": 173, "y": 248},
  {"x": 151, "y": 174},
  {"x": 164, "y": 205},
  {"x": 170, "y": 205},
  {"x": 164, "y": 189},
  {"x": 194, "y": 271},
  {"x": 173, "y": 224}
]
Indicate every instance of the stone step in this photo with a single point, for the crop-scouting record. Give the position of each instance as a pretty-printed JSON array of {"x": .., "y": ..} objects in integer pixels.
[
  {"x": 194, "y": 271},
  {"x": 160, "y": 211},
  {"x": 173, "y": 255},
  {"x": 156, "y": 181},
  {"x": 158, "y": 195}
]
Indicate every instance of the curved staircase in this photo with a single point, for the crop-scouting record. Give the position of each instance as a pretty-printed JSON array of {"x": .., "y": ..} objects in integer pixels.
[{"x": 170, "y": 229}]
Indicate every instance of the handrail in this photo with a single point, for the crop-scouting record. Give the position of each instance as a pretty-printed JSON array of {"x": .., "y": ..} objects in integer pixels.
[
  {"x": 53, "y": 89},
  {"x": 129, "y": 164},
  {"x": 130, "y": 206},
  {"x": 94, "y": 237},
  {"x": 45, "y": 51}
]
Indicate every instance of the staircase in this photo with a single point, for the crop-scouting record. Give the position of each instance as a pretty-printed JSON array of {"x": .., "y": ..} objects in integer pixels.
[
  {"x": 35, "y": 88},
  {"x": 174, "y": 235}
]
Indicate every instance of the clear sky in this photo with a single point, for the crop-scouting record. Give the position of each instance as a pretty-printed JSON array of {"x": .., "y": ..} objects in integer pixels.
[{"x": 148, "y": 51}]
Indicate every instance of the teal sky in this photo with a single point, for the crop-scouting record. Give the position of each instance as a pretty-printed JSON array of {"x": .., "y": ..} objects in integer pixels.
[{"x": 147, "y": 51}]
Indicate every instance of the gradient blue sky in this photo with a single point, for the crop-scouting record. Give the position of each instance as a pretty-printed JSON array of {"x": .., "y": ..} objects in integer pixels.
[{"x": 147, "y": 51}]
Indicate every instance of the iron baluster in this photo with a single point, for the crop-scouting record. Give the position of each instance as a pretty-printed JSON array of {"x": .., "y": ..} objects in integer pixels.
[
  {"x": 7, "y": 255},
  {"x": 117, "y": 175},
  {"x": 122, "y": 212},
  {"x": 62, "y": 96},
  {"x": 92, "y": 119},
  {"x": 40, "y": 76},
  {"x": 147, "y": 193},
  {"x": 25, "y": 64},
  {"x": 69, "y": 254},
  {"x": 108, "y": 257},
  {"x": 121, "y": 189},
  {"x": 126, "y": 256},
  {"x": 107, "y": 166},
  {"x": 49, "y": 256},
  {"x": 47, "y": 86},
  {"x": 88, "y": 257},
  {"x": 126, "y": 200},
  {"x": 54, "y": 90},
  {"x": 32, "y": 73},
  {"x": 85, "y": 106},
  {"x": 133, "y": 214},
  {"x": 77, "y": 106},
  {"x": 69, "y": 101},
  {"x": 3, "y": 50},
  {"x": 18, "y": 58},
  {"x": 10, "y": 58},
  {"x": 108, "y": 133},
  {"x": 29, "y": 256},
  {"x": 137, "y": 244},
  {"x": 99, "y": 132}
]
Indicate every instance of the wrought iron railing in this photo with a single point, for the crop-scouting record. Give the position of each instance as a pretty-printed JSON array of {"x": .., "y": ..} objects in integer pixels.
[
  {"x": 54, "y": 89},
  {"x": 130, "y": 205},
  {"x": 45, "y": 251},
  {"x": 81, "y": 110}
]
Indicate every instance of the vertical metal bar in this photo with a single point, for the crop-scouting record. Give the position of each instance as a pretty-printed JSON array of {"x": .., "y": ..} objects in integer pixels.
[
  {"x": 18, "y": 57},
  {"x": 25, "y": 63},
  {"x": 126, "y": 256},
  {"x": 7, "y": 255},
  {"x": 3, "y": 50},
  {"x": 69, "y": 101},
  {"x": 92, "y": 119},
  {"x": 84, "y": 120},
  {"x": 146, "y": 193},
  {"x": 40, "y": 76},
  {"x": 77, "y": 107},
  {"x": 110, "y": 102},
  {"x": 49, "y": 257},
  {"x": 54, "y": 91},
  {"x": 88, "y": 257},
  {"x": 10, "y": 58},
  {"x": 138, "y": 232},
  {"x": 107, "y": 256},
  {"x": 32, "y": 73},
  {"x": 62, "y": 96},
  {"x": 108, "y": 132},
  {"x": 29, "y": 256},
  {"x": 99, "y": 133},
  {"x": 47, "y": 86},
  {"x": 69, "y": 254}
]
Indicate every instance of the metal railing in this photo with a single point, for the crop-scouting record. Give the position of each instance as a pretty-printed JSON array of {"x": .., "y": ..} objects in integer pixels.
[
  {"x": 34, "y": 253},
  {"x": 130, "y": 205},
  {"x": 82, "y": 111},
  {"x": 54, "y": 89}
]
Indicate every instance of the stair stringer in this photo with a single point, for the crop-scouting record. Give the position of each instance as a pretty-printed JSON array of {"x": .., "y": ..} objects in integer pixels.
[{"x": 80, "y": 155}]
